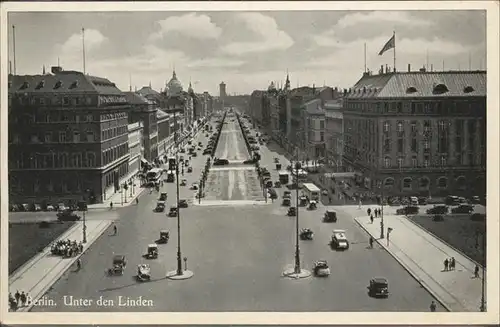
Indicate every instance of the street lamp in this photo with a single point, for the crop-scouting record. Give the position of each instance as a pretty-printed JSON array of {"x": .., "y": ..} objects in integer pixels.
[
  {"x": 297, "y": 247},
  {"x": 382, "y": 212},
  {"x": 482, "y": 306}
]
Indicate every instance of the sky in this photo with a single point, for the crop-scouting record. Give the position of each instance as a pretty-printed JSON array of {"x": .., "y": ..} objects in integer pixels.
[{"x": 246, "y": 50}]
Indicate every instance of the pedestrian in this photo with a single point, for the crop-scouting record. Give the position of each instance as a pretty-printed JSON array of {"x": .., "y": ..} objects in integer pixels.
[
  {"x": 79, "y": 264},
  {"x": 23, "y": 298},
  {"x": 376, "y": 213},
  {"x": 111, "y": 205},
  {"x": 368, "y": 211},
  {"x": 452, "y": 263},
  {"x": 446, "y": 264},
  {"x": 433, "y": 306},
  {"x": 330, "y": 199},
  {"x": 476, "y": 271},
  {"x": 115, "y": 229},
  {"x": 371, "y": 218},
  {"x": 17, "y": 296},
  {"x": 371, "y": 242}
]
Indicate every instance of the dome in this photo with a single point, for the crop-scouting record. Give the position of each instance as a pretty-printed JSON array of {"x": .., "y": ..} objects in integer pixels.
[{"x": 174, "y": 86}]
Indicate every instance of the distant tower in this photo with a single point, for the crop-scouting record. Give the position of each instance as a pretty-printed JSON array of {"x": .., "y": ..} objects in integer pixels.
[
  {"x": 287, "y": 82},
  {"x": 222, "y": 90}
]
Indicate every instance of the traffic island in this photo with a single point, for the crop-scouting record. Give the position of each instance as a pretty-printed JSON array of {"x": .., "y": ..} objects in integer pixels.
[
  {"x": 186, "y": 274},
  {"x": 290, "y": 273}
]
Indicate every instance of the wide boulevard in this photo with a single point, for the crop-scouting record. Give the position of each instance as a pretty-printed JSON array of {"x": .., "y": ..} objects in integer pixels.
[{"x": 237, "y": 249}]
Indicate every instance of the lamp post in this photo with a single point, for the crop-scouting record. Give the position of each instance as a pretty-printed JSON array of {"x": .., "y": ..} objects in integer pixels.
[
  {"x": 479, "y": 234},
  {"x": 297, "y": 246},
  {"x": 382, "y": 212}
]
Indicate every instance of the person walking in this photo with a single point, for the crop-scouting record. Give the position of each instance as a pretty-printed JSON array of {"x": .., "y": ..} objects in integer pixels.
[
  {"x": 452, "y": 263},
  {"x": 115, "y": 229},
  {"x": 433, "y": 306},
  {"x": 368, "y": 211},
  {"x": 371, "y": 242},
  {"x": 17, "y": 296},
  {"x": 371, "y": 218},
  {"x": 476, "y": 271},
  {"x": 23, "y": 298},
  {"x": 111, "y": 205},
  {"x": 79, "y": 264},
  {"x": 376, "y": 213},
  {"x": 446, "y": 262}
]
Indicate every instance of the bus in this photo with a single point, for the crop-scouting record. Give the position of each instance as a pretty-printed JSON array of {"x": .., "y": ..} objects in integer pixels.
[
  {"x": 171, "y": 163},
  {"x": 312, "y": 191},
  {"x": 284, "y": 177},
  {"x": 153, "y": 176}
]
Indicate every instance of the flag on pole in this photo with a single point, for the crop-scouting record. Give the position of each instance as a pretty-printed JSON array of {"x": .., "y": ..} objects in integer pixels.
[{"x": 389, "y": 45}]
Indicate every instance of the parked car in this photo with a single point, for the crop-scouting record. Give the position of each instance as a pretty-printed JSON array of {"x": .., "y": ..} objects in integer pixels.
[
  {"x": 437, "y": 210},
  {"x": 422, "y": 200},
  {"x": 183, "y": 203},
  {"x": 321, "y": 269},
  {"x": 221, "y": 162},
  {"x": 408, "y": 210},
  {"x": 68, "y": 215},
  {"x": 452, "y": 200},
  {"x": 475, "y": 200},
  {"x": 379, "y": 287},
  {"x": 463, "y": 208},
  {"x": 163, "y": 196}
]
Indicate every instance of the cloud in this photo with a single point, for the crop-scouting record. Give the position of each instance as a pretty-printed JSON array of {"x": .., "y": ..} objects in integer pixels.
[
  {"x": 380, "y": 16},
  {"x": 215, "y": 63},
  {"x": 271, "y": 37},
  {"x": 191, "y": 25},
  {"x": 73, "y": 45}
]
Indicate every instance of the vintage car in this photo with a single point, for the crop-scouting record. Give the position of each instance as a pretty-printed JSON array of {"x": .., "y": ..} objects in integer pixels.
[
  {"x": 269, "y": 183},
  {"x": 193, "y": 154},
  {"x": 143, "y": 272},
  {"x": 437, "y": 210},
  {"x": 272, "y": 193},
  {"x": 379, "y": 287},
  {"x": 170, "y": 177},
  {"x": 152, "y": 251},
  {"x": 194, "y": 186},
  {"x": 408, "y": 210},
  {"x": 163, "y": 197},
  {"x": 286, "y": 202},
  {"x": 68, "y": 215},
  {"x": 313, "y": 205},
  {"x": 172, "y": 212},
  {"x": 321, "y": 269},
  {"x": 164, "y": 237},
  {"x": 277, "y": 184},
  {"x": 276, "y": 160},
  {"x": 287, "y": 195},
  {"x": 183, "y": 203},
  {"x": 160, "y": 206},
  {"x": 303, "y": 201},
  {"x": 183, "y": 182},
  {"x": 221, "y": 162},
  {"x": 119, "y": 264},
  {"x": 207, "y": 151},
  {"x": 463, "y": 208},
  {"x": 306, "y": 234},
  {"x": 292, "y": 212},
  {"x": 278, "y": 166},
  {"x": 339, "y": 240},
  {"x": 330, "y": 216},
  {"x": 190, "y": 169}
]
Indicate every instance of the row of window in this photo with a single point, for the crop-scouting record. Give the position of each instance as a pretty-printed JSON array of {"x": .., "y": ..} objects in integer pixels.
[
  {"x": 441, "y": 161},
  {"x": 54, "y": 160},
  {"x": 445, "y": 107},
  {"x": 109, "y": 177},
  {"x": 442, "y": 126},
  {"x": 114, "y": 132},
  {"x": 64, "y": 100},
  {"x": 424, "y": 182},
  {"x": 114, "y": 153},
  {"x": 63, "y": 117},
  {"x": 443, "y": 144},
  {"x": 57, "y": 137}
]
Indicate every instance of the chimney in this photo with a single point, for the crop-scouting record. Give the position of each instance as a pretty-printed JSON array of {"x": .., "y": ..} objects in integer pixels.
[
  {"x": 56, "y": 69},
  {"x": 409, "y": 68}
]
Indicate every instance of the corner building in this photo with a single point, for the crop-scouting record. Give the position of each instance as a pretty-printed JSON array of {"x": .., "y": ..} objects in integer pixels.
[
  {"x": 418, "y": 133},
  {"x": 68, "y": 137}
]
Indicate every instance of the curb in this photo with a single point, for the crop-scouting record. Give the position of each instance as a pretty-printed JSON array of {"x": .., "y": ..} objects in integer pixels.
[
  {"x": 48, "y": 285},
  {"x": 402, "y": 264},
  {"x": 448, "y": 244}
]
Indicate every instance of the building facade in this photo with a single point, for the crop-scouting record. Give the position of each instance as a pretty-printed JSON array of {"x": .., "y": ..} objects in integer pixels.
[
  {"x": 68, "y": 137},
  {"x": 136, "y": 148},
  {"x": 334, "y": 134},
  {"x": 418, "y": 132},
  {"x": 313, "y": 144},
  {"x": 222, "y": 91}
]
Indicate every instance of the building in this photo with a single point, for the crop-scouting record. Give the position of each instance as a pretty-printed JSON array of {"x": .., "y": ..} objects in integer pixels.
[
  {"x": 418, "y": 132},
  {"x": 68, "y": 137},
  {"x": 313, "y": 144},
  {"x": 150, "y": 94},
  {"x": 222, "y": 91},
  {"x": 136, "y": 149},
  {"x": 334, "y": 134},
  {"x": 175, "y": 99},
  {"x": 164, "y": 140},
  {"x": 145, "y": 111}
]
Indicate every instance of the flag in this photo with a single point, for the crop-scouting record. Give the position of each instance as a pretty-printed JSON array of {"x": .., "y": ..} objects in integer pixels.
[{"x": 389, "y": 45}]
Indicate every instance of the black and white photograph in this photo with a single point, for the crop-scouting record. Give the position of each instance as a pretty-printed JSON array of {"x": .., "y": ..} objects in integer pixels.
[{"x": 249, "y": 160}]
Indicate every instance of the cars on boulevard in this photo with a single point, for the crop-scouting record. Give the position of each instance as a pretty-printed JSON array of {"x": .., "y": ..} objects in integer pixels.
[
  {"x": 160, "y": 206},
  {"x": 183, "y": 203},
  {"x": 437, "y": 210},
  {"x": 339, "y": 240},
  {"x": 330, "y": 216},
  {"x": 378, "y": 287},
  {"x": 68, "y": 215},
  {"x": 321, "y": 268},
  {"x": 463, "y": 208}
]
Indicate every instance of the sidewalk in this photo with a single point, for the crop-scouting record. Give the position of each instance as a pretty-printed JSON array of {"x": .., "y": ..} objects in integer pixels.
[
  {"x": 422, "y": 255},
  {"x": 37, "y": 275},
  {"x": 118, "y": 197}
]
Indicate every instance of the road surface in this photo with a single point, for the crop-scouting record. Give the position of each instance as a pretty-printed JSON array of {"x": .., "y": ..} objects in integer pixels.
[{"x": 238, "y": 253}]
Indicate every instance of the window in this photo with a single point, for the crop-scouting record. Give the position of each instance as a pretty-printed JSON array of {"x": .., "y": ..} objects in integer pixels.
[
  {"x": 427, "y": 161},
  {"x": 399, "y": 107},
  {"x": 48, "y": 137},
  {"x": 76, "y": 136},
  {"x": 387, "y": 162},
  {"x": 414, "y": 162},
  {"x": 460, "y": 159},
  {"x": 322, "y": 124},
  {"x": 90, "y": 136},
  {"x": 460, "y": 127},
  {"x": 427, "y": 126},
  {"x": 63, "y": 160},
  {"x": 400, "y": 127},
  {"x": 77, "y": 101},
  {"x": 443, "y": 160},
  {"x": 400, "y": 162},
  {"x": 471, "y": 127},
  {"x": 442, "y": 125},
  {"x": 471, "y": 159},
  {"x": 321, "y": 136},
  {"x": 413, "y": 125},
  {"x": 407, "y": 183},
  {"x": 89, "y": 118},
  {"x": 65, "y": 101},
  {"x": 62, "y": 137},
  {"x": 389, "y": 182},
  {"x": 442, "y": 182},
  {"x": 42, "y": 101},
  {"x": 414, "y": 145},
  {"x": 387, "y": 127},
  {"x": 91, "y": 162},
  {"x": 423, "y": 183},
  {"x": 400, "y": 145},
  {"x": 427, "y": 145}
]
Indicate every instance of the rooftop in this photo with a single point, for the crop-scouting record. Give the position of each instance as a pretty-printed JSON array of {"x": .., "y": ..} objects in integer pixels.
[
  {"x": 420, "y": 84},
  {"x": 147, "y": 90},
  {"x": 136, "y": 99}
]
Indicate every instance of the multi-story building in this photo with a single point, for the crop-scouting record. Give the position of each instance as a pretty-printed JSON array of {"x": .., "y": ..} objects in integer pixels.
[
  {"x": 136, "y": 149},
  {"x": 150, "y": 94},
  {"x": 145, "y": 111},
  {"x": 334, "y": 133},
  {"x": 68, "y": 137},
  {"x": 313, "y": 143},
  {"x": 222, "y": 91},
  {"x": 164, "y": 141},
  {"x": 418, "y": 132}
]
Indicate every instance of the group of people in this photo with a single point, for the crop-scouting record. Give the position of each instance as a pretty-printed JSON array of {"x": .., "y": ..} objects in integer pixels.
[
  {"x": 371, "y": 213},
  {"x": 449, "y": 264},
  {"x": 18, "y": 300},
  {"x": 66, "y": 248}
]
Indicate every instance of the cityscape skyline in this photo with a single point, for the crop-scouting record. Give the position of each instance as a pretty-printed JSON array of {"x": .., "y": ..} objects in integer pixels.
[{"x": 206, "y": 48}]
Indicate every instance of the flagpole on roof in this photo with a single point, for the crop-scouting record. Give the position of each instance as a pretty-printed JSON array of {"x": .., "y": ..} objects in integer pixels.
[
  {"x": 365, "y": 57},
  {"x": 83, "y": 48},
  {"x": 394, "y": 36}
]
